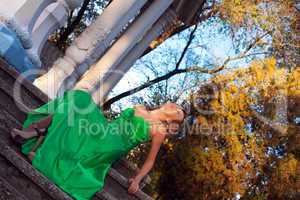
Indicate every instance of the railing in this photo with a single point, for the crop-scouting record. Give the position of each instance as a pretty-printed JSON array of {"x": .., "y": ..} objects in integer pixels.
[{"x": 34, "y": 20}]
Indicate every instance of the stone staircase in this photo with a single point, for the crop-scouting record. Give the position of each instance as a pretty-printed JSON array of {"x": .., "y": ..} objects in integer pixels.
[{"x": 18, "y": 179}]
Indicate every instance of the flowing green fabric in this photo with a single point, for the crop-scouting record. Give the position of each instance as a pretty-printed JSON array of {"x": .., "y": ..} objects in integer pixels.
[{"x": 81, "y": 144}]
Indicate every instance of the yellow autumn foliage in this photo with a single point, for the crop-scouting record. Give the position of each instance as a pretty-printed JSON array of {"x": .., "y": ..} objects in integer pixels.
[{"x": 243, "y": 149}]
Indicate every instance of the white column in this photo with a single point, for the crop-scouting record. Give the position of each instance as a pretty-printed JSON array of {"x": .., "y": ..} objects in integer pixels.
[
  {"x": 20, "y": 16},
  {"x": 53, "y": 17},
  {"x": 113, "y": 77},
  {"x": 71, "y": 4},
  {"x": 90, "y": 45},
  {"x": 122, "y": 46}
]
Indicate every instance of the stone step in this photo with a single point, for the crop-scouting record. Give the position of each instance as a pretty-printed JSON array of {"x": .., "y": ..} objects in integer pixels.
[
  {"x": 26, "y": 168},
  {"x": 124, "y": 182},
  {"x": 128, "y": 170},
  {"x": 114, "y": 180},
  {"x": 26, "y": 179},
  {"x": 21, "y": 163},
  {"x": 33, "y": 98},
  {"x": 8, "y": 192}
]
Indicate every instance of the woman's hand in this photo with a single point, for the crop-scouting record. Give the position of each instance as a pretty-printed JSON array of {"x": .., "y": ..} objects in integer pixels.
[
  {"x": 133, "y": 185},
  {"x": 148, "y": 164}
]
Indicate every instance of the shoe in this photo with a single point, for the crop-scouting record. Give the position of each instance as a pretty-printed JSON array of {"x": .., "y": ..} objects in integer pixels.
[{"x": 20, "y": 136}]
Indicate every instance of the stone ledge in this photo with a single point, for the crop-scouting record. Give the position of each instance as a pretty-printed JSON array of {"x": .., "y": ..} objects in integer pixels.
[
  {"x": 34, "y": 97},
  {"x": 8, "y": 192},
  {"x": 27, "y": 169}
]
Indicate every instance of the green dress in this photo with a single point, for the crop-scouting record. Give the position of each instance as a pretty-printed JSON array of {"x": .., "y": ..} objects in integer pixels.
[{"x": 81, "y": 144}]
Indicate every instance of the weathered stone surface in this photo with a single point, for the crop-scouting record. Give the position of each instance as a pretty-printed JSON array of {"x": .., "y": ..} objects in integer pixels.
[
  {"x": 15, "y": 168},
  {"x": 8, "y": 192},
  {"x": 120, "y": 68},
  {"x": 50, "y": 54},
  {"x": 89, "y": 46},
  {"x": 52, "y": 18},
  {"x": 98, "y": 74}
]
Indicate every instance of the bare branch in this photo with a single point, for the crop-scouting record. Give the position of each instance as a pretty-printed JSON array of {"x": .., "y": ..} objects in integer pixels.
[
  {"x": 205, "y": 70},
  {"x": 157, "y": 80},
  {"x": 180, "y": 27},
  {"x": 190, "y": 40},
  {"x": 176, "y": 71},
  {"x": 71, "y": 26}
]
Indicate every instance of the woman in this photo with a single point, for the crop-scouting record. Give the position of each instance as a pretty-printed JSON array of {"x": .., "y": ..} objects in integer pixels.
[{"x": 79, "y": 144}]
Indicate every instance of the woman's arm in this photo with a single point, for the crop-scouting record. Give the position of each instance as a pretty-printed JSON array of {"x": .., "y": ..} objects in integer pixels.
[{"x": 148, "y": 164}]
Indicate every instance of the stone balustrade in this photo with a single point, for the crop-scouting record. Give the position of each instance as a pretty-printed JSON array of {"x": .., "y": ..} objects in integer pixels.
[
  {"x": 101, "y": 91},
  {"x": 34, "y": 20},
  {"x": 99, "y": 73},
  {"x": 53, "y": 17},
  {"x": 89, "y": 46}
]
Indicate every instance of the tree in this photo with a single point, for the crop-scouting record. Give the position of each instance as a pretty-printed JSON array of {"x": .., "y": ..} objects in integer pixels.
[
  {"x": 77, "y": 22},
  {"x": 280, "y": 19},
  {"x": 241, "y": 143},
  {"x": 272, "y": 25}
]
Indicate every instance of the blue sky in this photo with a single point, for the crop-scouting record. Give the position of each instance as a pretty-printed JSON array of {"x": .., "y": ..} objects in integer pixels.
[{"x": 212, "y": 45}]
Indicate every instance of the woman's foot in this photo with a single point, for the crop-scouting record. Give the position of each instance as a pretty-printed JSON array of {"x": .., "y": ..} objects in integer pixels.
[
  {"x": 20, "y": 136},
  {"x": 39, "y": 128},
  {"x": 23, "y": 133}
]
